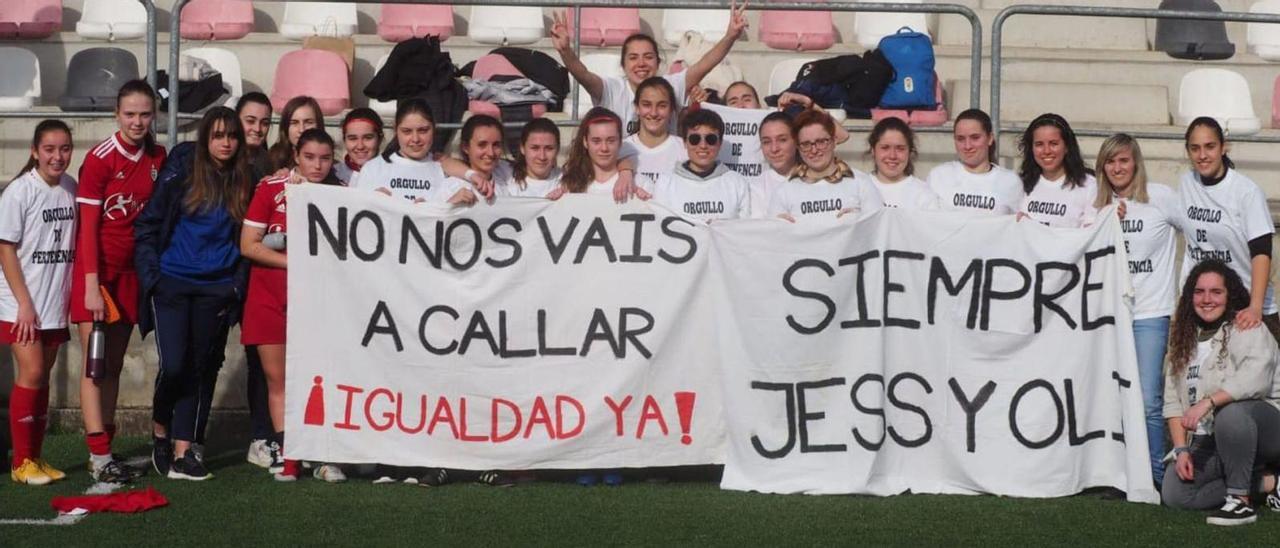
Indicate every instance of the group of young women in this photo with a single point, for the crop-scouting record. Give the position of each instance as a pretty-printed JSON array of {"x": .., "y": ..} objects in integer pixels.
[{"x": 189, "y": 244}]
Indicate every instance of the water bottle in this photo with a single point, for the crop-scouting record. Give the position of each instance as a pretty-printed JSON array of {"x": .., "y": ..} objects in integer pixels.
[{"x": 96, "y": 362}]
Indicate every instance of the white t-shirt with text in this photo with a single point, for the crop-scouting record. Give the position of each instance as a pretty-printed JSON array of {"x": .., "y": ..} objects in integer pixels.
[
  {"x": 1218, "y": 221},
  {"x": 1054, "y": 204},
  {"x": 652, "y": 163},
  {"x": 725, "y": 196},
  {"x": 1150, "y": 237},
  {"x": 407, "y": 178},
  {"x": 41, "y": 220},
  {"x": 823, "y": 199},
  {"x": 909, "y": 193},
  {"x": 996, "y": 192}
]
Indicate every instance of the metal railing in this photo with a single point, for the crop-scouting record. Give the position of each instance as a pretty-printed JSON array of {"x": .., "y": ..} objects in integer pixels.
[
  {"x": 152, "y": 38},
  {"x": 975, "y": 23},
  {"x": 997, "y": 45}
]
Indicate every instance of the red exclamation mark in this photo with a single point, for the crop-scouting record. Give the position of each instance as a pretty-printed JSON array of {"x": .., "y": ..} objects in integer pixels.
[
  {"x": 684, "y": 407},
  {"x": 314, "y": 413}
]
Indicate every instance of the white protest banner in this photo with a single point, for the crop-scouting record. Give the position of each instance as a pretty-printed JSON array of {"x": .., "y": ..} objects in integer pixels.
[
  {"x": 741, "y": 149},
  {"x": 536, "y": 334},
  {"x": 933, "y": 352}
]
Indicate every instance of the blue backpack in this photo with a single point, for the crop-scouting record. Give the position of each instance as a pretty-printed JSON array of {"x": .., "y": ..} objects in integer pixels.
[{"x": 911, "y": 54}]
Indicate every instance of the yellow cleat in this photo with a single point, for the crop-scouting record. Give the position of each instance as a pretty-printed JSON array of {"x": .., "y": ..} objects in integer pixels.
[
  {"x": 49, "y": 470},
  {"x": 30, "y": 473}
]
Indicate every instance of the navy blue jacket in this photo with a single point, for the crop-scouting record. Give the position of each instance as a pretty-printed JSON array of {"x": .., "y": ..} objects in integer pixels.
[{"x": 154, "y": 227}]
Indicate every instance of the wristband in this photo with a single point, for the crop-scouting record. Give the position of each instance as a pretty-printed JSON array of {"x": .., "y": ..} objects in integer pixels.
[{"x": 1180, "y": 450}]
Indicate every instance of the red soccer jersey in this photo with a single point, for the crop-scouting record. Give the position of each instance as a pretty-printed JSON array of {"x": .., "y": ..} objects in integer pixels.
[
  {"x": 268, "y": 211},
  {"x": 116, "y": 180},
  {"x": 268, "y": 208}
]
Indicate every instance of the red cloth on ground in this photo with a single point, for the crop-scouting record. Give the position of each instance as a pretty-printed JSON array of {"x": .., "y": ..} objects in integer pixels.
[{"x": 127, "y": 502}]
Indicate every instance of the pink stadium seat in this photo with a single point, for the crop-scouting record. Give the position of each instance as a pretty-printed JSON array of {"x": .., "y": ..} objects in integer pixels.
[
  {"x": 923, "y": 118},
  {"x": 30, "y": 19},
  {"x": 486, "y": 68},
  {"x": 797, "y": 30},
  {"x": 400, "y": 22},
  {"x": 322, "y": 74},
  {"x": 605, "y": 27},
  {"x": 1275, "y": 105},
  {"x": 217, "y": 19}
]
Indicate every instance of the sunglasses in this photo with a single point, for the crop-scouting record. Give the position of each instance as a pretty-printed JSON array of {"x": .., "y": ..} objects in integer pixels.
[{"x": 695, "y": 139}]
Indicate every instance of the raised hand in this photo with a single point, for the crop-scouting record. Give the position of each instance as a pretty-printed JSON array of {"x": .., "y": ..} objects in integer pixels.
[
  {"x": 737, "y": 19},
  {"x": 561, "y": 34}
]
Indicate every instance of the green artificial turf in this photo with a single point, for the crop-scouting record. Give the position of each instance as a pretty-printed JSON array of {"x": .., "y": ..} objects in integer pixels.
[{"x": 241, "y": 506}]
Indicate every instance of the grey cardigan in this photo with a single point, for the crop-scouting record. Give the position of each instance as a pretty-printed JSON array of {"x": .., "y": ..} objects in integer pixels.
[{"x": 1248, "y": 372}]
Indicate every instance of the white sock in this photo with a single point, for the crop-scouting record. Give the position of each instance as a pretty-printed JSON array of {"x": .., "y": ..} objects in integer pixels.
[{"x": 98, "y": 461}]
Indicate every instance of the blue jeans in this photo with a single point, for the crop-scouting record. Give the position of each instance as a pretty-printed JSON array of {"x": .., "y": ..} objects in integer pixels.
[{"x": 1150, "y": 336}]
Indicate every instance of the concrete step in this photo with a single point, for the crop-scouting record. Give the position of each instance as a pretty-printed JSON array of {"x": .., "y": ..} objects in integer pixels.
[
  {"x": 1051, "y": 31},
  {"x": 1125, "y": 105}
]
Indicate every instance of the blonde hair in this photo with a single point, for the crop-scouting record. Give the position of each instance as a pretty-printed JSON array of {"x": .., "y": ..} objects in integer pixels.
[{"x": 1114, "y": 145}]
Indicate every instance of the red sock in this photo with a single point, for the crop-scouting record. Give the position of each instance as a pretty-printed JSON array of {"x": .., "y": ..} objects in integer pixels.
[
  {"x": 22, "y": 411},
  {"x": 41, "y": 424},
  {"x": 99, "y": 443}
]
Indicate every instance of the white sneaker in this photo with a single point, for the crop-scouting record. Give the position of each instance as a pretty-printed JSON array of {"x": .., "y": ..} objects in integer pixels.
[
  {"x": 275, "y": 458},
  {"x": 329, "y": 473},
  {"x": 259, "y": 454}
]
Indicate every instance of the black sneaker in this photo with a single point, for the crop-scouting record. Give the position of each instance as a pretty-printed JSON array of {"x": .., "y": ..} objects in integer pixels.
[
  {"x": 1235, "y": 511},
  {"x": 189, "y": 467},
  {"x": 161, "y": 455},
  {"x": 133, "y": 471},
  {"x": 111, "y": 472},
  {"x": 494, "y": 478},
  {"x": 434, "y": 477},
  {"x": 276, "y": 464}
]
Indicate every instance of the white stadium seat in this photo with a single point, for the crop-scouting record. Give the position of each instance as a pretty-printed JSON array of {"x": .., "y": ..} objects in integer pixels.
[
  {"x": 784, "y": 73},
  {"x": 1221, "y": 94},
  {"x": 1264, "y": 38},
  {"x": 869, "y": 27},
  {"x": 505, "y": 25},
  {"x": 603, "y": 64},
  {"x": 112, "y": 20},
  {"x": 227, "y": 64},
  {"x": 711, "y": 23},
  {"x": 303, "y": 19},
  {"x": 20, "y": 88}
]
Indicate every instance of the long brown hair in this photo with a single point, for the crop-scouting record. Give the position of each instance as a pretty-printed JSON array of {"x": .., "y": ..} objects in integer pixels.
[
  {"x": 45, "y": 126},
  {"x": 1072, "y": 162},
  {"x": 579, "y": 172},
  {"x": 211, "y": 185},
  {"x": 1186, "y": 324},
  {"x": 281, "y": 153}
]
